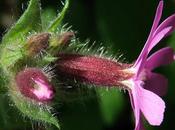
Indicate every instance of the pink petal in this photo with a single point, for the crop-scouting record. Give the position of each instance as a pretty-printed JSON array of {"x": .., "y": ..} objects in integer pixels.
[
  {"x": 162, "y": 57},
  {"x": 169, "y": 22},
  {"x": 159, "y": 36},
  {"x": 156, "y": 83},
  {"x": 154, "y": 42},
  {"x": 152, "y": 106},
  {"x": 140, "y": 126},
  {"x": 136, "y": 110},
  {"x": 134, "y": 98},
  {"x": 158, "y": 15},
  {"x": 44, "y": 91},
  {"x": 164, "y": 29}
]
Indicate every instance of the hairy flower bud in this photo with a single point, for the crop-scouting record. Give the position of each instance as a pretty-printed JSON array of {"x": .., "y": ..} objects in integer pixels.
[
  {"x": 61, "y": 40},
  {"x": 36, "y": 43},
  {"x": 93, "y": 70},
  {"x": 34, "y": 84},
  {"x": 65, "y": 38}
]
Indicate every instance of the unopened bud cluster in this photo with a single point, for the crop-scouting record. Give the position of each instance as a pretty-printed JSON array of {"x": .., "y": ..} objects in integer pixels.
[{"x": 33, "y": 82}]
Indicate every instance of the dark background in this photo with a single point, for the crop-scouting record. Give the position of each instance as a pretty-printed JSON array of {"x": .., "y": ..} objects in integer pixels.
[{"x": 122, "y": 27}]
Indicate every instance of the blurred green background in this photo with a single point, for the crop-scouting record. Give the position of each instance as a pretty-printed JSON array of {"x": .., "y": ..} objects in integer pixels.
[{"x": 122, "y": 27}]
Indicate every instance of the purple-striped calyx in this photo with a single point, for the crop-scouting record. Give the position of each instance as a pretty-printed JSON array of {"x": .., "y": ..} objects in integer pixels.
[{"x": 90, "y": 69}]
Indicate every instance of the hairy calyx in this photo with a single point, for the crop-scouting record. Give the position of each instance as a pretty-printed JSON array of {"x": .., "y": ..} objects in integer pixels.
[{"x": 92, "y": 70}]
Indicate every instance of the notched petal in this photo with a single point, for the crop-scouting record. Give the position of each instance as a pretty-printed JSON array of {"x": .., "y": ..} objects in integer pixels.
[
  {"x": 162, "y": 57},
  {"x": 152, "y": 106}
]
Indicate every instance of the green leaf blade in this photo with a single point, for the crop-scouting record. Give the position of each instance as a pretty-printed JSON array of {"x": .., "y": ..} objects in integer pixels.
[
  {"x": 29, "y": 22},
  {"x": 57, "y": 22},
  {"x": 47, "y": 15},
  {"x": 34, "y": 111}
]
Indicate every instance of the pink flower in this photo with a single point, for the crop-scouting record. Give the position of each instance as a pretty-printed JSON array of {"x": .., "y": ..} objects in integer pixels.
[
  {"x": 33, "y": 84},
  {"x": 143, "y": 85}
]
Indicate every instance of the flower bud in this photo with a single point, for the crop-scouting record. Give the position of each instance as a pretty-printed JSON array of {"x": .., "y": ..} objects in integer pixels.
[
  {"x": 58, "y": 41},
  {"x": 65, "y": 38},
  {"x": 92, "y": 70},
  {"x": 34, "y": 84},
  {"x": 36, "y": 43}
]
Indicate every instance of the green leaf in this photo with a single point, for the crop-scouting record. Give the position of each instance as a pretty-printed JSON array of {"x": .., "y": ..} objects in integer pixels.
[
  {"x": 47, "y": 16},
  {"x": 34, "y": 111},
  {"x": 3, "y": 81},
  {"x": 10, "y": 55},
  {"x": 29, "y": 22},
  {"x": 57, "y": 22},
  {"x": 8, "y": 116},
  {"x": 111, "y": 104}
]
